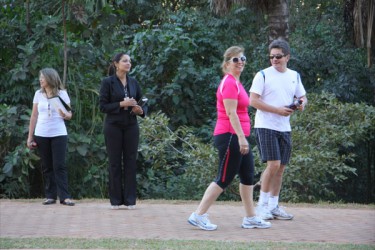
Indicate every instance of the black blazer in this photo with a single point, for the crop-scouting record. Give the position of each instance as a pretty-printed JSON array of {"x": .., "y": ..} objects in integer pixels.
[{"x": 112, "y": 93}]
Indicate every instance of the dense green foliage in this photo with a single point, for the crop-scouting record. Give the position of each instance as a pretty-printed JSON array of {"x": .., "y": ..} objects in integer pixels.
[
  {"x": 172, "y": 162},
  {"x": 176, "y": 49},
  {"x": 324, "y": 138}
]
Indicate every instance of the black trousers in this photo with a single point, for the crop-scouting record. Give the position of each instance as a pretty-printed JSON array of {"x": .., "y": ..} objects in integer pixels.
[
  {"x": 232, "y": 162},
  {"x": 122, "y": 149},
  {"x": 52, "y": 152}
]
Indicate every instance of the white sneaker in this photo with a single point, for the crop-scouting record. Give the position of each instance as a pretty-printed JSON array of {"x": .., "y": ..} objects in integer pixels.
[
  {"x": 130, "y": 207},
  {"x": 202, "y": 222},
  {"x": 255, "y": 222},
  {"x": 263, "y": 213},
  {"x": 192, "y": 220},
  {"x": 115, "y": 207},
  {"x": 279, "y": 213}
]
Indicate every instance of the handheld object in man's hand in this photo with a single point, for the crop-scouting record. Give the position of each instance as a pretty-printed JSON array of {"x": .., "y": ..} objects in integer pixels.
[{"x": 142, "y": 101}]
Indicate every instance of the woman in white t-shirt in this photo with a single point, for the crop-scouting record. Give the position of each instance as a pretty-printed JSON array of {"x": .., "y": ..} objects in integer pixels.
[{"x": 47, "y": 133}]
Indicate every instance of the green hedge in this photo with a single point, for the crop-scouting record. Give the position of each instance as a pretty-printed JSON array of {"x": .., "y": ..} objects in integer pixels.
[{"x": 177, "y": 164}]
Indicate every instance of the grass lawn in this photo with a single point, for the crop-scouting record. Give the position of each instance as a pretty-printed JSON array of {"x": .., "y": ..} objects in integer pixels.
[{"x": 70, "y": 243}]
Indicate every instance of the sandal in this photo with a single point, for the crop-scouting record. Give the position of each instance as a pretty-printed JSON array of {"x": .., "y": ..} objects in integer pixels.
[
  {"x": 67, "y": 202},
  {"x": 49, "y": 201}
]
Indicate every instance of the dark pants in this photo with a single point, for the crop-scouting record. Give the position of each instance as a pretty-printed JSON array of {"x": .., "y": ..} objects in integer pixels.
[
  {"x": 122, "y": 149},
  {"x": 52, "y": 152},
  {"x": 232, "y": 162}
]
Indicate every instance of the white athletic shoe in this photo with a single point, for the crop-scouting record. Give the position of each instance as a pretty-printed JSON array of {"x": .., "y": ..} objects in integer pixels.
[
  {"x": 192, "y": 220},
  {"x": 115, "y": 207},
  {"x": 255, "y": 222},
  {"x": 263, "y": 213},
  {"x": 280, "y": 214},
  {"x": 202, "y": 222}
]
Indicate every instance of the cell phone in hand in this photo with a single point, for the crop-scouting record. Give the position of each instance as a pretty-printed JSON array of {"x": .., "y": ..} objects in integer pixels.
[{"x": 142, "y": 101}]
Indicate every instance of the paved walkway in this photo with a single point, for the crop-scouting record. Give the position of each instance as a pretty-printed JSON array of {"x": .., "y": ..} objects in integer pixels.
[{"x": 158, "y": 220}]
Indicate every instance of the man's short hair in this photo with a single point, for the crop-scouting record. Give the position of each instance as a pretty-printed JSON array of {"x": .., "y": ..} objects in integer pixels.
[{"x": 280, "y": 44}]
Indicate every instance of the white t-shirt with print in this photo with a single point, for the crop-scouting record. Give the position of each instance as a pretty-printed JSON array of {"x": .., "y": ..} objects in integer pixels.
[
  {"x": 276, "y": 89},
  {"x": 49, "y": 123}
]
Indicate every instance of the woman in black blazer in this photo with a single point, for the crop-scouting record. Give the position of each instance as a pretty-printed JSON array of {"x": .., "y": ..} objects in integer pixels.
[{"x": 119, "y": 96}]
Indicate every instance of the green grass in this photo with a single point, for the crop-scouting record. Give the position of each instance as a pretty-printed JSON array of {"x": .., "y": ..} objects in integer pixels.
[{"x": 114, "y": 243}]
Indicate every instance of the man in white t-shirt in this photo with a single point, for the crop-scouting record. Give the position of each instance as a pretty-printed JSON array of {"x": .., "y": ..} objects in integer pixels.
[{"x": 272, "y": 91}]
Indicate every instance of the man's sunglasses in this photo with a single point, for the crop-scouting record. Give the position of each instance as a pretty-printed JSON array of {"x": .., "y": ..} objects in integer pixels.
[
  {"x": 236, "y": 59},
  {"x": 276, "y": 56}
]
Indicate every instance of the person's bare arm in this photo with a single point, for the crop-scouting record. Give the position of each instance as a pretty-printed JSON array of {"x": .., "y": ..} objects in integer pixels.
[
  {"x": 304, "y": 102},
  {"x": 33, "y": 119},
  {"x": 231, "y": 110}
]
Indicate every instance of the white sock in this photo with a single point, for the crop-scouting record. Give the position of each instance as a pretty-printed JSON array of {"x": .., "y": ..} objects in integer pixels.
[
  {"x": 263, "y": 198},
  {"x": 273, "y": 201}
]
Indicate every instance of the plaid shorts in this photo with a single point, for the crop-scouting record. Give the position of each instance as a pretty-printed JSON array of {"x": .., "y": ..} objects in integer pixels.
[{"x": 274, "y": 145}]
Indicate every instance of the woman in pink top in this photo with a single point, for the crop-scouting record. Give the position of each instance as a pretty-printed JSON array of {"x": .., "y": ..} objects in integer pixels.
[{"x": 230, "y": 137}]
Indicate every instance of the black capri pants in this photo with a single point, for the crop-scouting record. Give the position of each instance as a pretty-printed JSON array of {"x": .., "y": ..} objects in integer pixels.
[{"x": 232, "y": 162}]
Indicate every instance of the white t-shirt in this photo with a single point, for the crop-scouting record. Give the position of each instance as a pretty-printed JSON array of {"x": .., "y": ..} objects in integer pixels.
[
  {"x": 276, "y": 89},
  {"x": 49, "y": 123}
]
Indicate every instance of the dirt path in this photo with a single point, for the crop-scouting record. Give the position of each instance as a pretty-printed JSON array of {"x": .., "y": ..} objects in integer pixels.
[{"x": 156, "y": 220}]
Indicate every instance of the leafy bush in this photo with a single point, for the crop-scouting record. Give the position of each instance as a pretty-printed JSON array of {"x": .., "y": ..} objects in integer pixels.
[
  {"x": 179, "y": 165},
  {"x": 322, "y": 159},
  {"x": 19, "y": 163},
  {"x": 87, "y": 165},
  {"x": 165, "y": 156},
  {"x": 324, "y": 136}
]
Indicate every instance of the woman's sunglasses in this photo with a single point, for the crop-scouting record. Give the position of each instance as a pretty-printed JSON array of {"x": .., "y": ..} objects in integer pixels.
[
  {"x": 276, "y": 56},
  {"x": 236, "y": 59}
]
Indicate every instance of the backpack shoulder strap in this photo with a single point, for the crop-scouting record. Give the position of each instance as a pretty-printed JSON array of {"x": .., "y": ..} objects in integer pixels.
[{"x": 264, "y": 75}]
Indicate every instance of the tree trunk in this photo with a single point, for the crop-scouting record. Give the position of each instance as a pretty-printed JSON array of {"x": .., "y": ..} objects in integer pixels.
[
  {"x": 278, "y": 19},
  {"x": 277, "y": 14},
  {"x": 65, "y": 42},
  {"x": 370, "y": 171},
  {"x": 28, "y": 17},
  {"x": 358, "y": 24},
  {"x": 370, "y": 30}
]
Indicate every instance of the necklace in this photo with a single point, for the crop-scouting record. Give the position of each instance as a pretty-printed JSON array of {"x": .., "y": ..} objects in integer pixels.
[
  {"x": 48, "y": 105},
  {"x": 126, "y": 91},
  {"x": 49, "y": 110}
]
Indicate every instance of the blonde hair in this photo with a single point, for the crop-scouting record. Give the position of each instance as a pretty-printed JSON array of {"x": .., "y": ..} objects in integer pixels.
[
  {"x": 53, "y": 80},
  {"x": 228, "y": 54}
]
